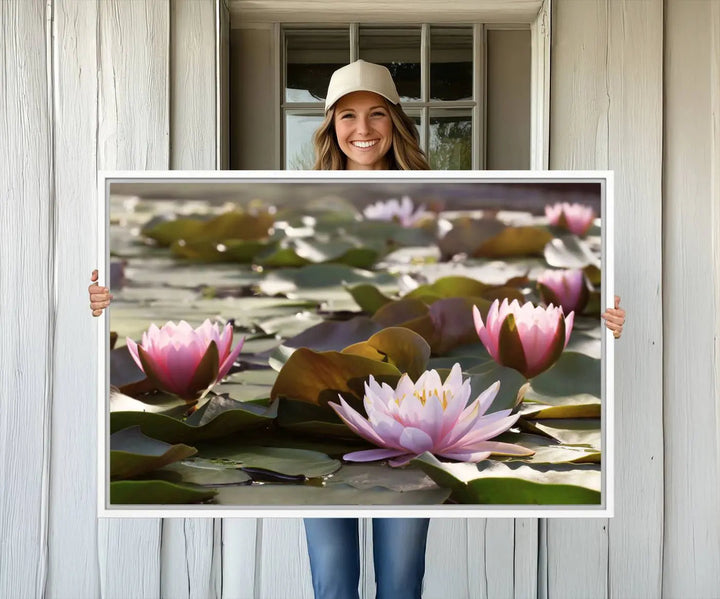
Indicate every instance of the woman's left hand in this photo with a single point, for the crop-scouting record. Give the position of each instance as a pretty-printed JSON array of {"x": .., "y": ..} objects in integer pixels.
[{"x": 615, "y": 318}]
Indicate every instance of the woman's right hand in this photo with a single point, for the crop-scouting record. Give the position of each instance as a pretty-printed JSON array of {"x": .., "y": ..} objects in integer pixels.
[{"x": 99, "y": 296}]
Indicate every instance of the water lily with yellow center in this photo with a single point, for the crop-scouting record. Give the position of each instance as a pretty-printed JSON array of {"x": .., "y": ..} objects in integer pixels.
[{"x": 428, "y": 415}]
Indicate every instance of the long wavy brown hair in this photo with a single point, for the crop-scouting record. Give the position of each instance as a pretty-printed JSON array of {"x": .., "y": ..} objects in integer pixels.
[{"x": 404, "y": 155}]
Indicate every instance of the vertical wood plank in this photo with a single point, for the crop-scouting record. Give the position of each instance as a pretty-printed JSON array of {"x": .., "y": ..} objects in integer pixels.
[
  {"x": 222, "y": 59},
  {"x": 73, "y": 521},
  {"x": 449, "y": 559},
  {"x": 490, "y": 550},
  {"x": 133, "y": 133},
  {"x": 190, "y": 567},
  {"x": 526, "y": 558},
  {"x": 240, "y": 542},
  {"x": 577, "y": 550},
  {"x": 635, "y": 89},
  {"x": 187, "y": 558},
  {"x": 691, "y": 559},
  {"x": 26, "y": 343},
  {"x": 282, "y": 568},
  {"x": 192, "y": 85}
]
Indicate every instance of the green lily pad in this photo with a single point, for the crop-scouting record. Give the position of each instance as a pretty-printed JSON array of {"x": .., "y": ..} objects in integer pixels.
[
  {"x": 132, "y": 453},
  {"x": 312, "y": 420},
  {"x": 248, "y": 386},
  {"x": 299, "y": 252},
  {"x": 226, "y": 250},
  {"x": 573, "y": 373},
  {"x": 368, "y": 297},
  {"x": 157, "y": 492},
  {"x": 318, "y": 377},
  {"x": 513, "y": 385},
  {"x": 281, "y": 460},
  {"x": 401, "y": 347},
  {"x": 236, "y": 224},
  {"x": 467, "y": 234},
  {"x": 319, "y": 277},
  {"x": 549, "y": 451},
  {"x": 159, "y": 403},
  {"x": 569, "y": 251},
  {"x": 514, "y": 241},
  {"x": 200, "y": 471},
  {"x": 332, "y": 335},
  {"x": 367, "y": 476},
  {"x": 582, "y": 342},
  {"x": 331, "y": 494},
  {"x": 584, "y": 432},
  {"x": 219, "y": 416},
  {"x": 511, "y": 483},
  {"x": 460, "y": 286},
  {"x": 445, "y": 324}
]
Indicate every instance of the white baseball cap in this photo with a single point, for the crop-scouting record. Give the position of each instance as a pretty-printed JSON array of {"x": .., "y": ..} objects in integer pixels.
[{"x": 361, "y": 76}]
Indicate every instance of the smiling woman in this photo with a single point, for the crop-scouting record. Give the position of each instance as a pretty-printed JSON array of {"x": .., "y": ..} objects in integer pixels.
[{"x": 365, "y": 128}]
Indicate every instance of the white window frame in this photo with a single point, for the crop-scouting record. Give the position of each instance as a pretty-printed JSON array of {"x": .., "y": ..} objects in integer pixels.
[{"x": 315, "y": 13}]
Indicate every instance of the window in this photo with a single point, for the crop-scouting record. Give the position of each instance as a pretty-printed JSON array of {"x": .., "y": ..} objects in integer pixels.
[
  {"x": 433, "y": 68},
  {"x": 468, "y": 88}
]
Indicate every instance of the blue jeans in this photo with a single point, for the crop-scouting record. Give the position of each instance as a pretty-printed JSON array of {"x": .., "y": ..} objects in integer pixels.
[{"x": 398, "y": 555}]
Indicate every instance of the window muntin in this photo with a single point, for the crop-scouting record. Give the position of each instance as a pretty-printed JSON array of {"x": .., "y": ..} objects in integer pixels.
[{"x": 440, "y": 73}]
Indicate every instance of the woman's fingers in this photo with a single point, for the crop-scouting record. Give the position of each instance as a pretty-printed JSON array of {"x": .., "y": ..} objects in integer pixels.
[{"x": 99, "y": 296}]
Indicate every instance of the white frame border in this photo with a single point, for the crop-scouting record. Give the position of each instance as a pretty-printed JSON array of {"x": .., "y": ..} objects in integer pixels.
[{"x": 605, "y": 510}]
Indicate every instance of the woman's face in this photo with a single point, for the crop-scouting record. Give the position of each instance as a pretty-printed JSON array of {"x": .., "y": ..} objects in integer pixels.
[{"x": 364, "y": 130}]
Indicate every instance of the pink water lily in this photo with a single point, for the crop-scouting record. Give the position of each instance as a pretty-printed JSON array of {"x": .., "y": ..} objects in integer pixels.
[
  {"x": 184, "y": 361},
  {"x": 428, "y": 415},
  {"x": 402, "y": 211},
  {"x": 566, "y": 288},
  {"x": 578, "y": 218},
  {"x": 527, "y": 338}
]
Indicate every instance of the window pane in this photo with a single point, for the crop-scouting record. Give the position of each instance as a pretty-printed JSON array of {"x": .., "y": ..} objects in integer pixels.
[
  {"x": 451, "y": 63},
  {"x": 508, "y": 100},
  {"x": 450, "y": 140},
  {"x": 312, "y": 56},
  {"x": 299, "y": 129},
  {"x": 398, "y": 50}
]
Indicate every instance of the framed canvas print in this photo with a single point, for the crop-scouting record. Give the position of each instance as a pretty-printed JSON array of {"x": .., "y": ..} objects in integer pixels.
[{"x": 349, "y": 343}]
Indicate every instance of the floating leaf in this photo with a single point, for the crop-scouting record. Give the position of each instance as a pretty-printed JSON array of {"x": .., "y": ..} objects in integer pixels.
[
  {"x": 200, "y": 471},
  {"x": 228, "y": 416},
  {"x": 132, "y": 453},
  {"x": 549, "y": 451},
  {"x": 512, "y": 483},
  {"x": 369, "y": 475},
  {"x": 584, "y": 432},
  {"x": 513, "y": 385},
  {"x": 330, "y": 494},
  {"x": 572, "y": 374},
  {"x": 514, "y": 241},
  {"x": 167, "y": 231},
  {"x": 157, "y": 492},
  {"x": 335, "y": 335},
  {"x": 281, "y": 460},
  {"x": 467, "y": 235},
  {"x": 368, "y": 297},
  {"x": 315, "y": 280},
  {"x": 318, "y": 377},
  {"x": 460, "y": 286},
  {"x": 401, "y": 347},
  {"x": 569, "y": 252},
  {"x": 226, "y": 250}
]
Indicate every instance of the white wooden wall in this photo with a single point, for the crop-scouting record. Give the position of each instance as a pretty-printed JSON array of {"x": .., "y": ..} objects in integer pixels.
[{"x": 635, "y": 87}]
